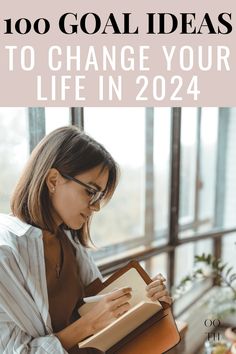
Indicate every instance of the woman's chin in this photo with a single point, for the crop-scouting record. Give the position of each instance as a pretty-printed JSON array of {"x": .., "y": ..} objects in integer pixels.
[{"x": 75, "y": 225}]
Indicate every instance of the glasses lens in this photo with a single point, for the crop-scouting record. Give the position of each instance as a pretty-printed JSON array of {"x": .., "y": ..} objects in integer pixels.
[{"x": 96, "y": 197}]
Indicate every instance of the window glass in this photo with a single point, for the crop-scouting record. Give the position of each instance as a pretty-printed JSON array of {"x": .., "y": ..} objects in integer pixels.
[
  {"x": 184, "y": 264},
  {"x": 159, "y": 265},
  {"x": 208, "y": 160},
  {"x": 162, "y": 132},
  {"x": 229, "y": 249},
  {"x": 188, "y": 164},
  {"x": 14, "y": 150},
  {"x": 205, "y": 246},
  {"x": 122, "y": 132},
  {"x": 229, "y": 219},
  {"x": 184, "y": 259},
  {"x": 56, "y": 117}
]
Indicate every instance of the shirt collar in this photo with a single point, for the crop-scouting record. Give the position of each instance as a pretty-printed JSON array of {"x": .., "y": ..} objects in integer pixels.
[{"x": 14, "y": 225}]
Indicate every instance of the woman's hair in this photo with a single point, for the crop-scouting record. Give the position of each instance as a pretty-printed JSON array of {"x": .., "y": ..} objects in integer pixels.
[{"x": 71, "y": 152}]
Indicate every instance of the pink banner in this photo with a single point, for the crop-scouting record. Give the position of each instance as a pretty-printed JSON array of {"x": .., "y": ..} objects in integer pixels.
[{"x": 117, "y": 54}]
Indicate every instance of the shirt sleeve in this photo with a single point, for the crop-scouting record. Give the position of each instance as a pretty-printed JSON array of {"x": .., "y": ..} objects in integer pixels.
[
  {"x": 18, "y": 313},
  {"x": 15, "y": 341}
]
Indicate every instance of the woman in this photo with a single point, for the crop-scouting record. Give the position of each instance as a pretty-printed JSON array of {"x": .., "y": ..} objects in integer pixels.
[{"x": 44, "y": 263}]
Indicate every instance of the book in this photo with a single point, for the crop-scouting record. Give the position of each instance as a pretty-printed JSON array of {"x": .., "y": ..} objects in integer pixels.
[{"x": 142, "y": 308}]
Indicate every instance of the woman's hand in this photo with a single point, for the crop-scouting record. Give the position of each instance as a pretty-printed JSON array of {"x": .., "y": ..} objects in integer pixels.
[
  {"x": 108, "y": 309},
  {"x": 156, "y": 290}
]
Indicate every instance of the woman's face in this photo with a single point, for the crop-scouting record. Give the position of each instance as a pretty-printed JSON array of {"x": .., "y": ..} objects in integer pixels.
[{"x": 71, "y": 200}]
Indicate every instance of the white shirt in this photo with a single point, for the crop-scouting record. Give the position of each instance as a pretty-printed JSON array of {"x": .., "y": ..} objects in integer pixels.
[{"x": 25, "y": 324}]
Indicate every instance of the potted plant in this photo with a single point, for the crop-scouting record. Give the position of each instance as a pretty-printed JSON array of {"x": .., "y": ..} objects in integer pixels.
[
  {"x": 223, "y": 275},
  {"x": 222, "y": 305}
]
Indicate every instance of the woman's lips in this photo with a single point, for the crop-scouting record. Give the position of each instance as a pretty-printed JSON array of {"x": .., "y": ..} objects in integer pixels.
[{"x": 84, "y": 216}]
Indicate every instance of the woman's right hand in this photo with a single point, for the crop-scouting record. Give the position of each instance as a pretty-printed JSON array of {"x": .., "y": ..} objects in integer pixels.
[
  {"x": 108, "y": 309},
  {"x": 102, "y": 314}
]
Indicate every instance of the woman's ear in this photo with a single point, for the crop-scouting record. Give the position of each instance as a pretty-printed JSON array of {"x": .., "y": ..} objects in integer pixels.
[{"x": 52, "y": 179}]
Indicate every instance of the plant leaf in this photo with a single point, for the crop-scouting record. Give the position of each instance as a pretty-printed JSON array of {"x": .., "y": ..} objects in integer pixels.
[
  {"x": 228, "y": 271},
  {"x": 232, "y": 277}
]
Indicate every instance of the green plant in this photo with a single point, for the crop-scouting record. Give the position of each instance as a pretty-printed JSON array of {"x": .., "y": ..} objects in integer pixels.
[
  {"x": 223, "y": 302},
  {"x": 211, "y": 267}
]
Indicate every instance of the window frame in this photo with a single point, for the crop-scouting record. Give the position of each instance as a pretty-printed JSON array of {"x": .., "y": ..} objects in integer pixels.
[{"x": 142, "y": 248}]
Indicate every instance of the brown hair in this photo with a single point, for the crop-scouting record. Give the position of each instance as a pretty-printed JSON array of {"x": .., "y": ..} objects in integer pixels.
[{"x": 71, "y": 152}]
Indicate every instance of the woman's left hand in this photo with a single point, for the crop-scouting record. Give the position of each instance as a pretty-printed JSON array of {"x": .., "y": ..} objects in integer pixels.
[{"x": 156, "y": 290}]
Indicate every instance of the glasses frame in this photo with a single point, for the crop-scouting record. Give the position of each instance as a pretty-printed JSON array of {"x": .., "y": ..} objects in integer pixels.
[{"x": 97, "y": 194}]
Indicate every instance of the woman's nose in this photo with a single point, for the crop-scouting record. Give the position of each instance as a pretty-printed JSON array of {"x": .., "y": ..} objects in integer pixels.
[{"x": 95, "y": 206}]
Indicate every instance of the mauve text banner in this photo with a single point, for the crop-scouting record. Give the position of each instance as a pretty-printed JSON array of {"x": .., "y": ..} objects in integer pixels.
[{"x": 110, "y": 53}]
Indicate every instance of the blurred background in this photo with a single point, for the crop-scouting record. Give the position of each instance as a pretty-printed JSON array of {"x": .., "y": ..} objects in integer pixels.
[{"x": 176, "y": 198}]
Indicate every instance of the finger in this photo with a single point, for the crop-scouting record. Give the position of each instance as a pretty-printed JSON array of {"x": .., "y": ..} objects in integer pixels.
[
  {"x": 158, "y": 288},
  {"x": 120, "y": 310},
  {"x": 167, "y": 299},
  {"x": 159, "y": 294},
  {"x": 118, "y": 293},
  {"x": 159, "y": 277},
  {"x": 154, "y": 284},
  {"x": 121, "y": 300}
]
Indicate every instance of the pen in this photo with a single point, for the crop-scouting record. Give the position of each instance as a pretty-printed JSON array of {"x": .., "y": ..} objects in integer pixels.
[{"x": 97, "y": 298}]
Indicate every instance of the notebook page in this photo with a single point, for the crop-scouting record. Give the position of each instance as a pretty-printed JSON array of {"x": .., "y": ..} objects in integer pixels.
[
  {"x": 131, "y": 279},
  {"x": 117, "y": 330}
]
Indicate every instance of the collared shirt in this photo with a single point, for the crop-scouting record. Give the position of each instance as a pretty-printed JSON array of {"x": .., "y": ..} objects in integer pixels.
[{"x": 25, "y": 324}]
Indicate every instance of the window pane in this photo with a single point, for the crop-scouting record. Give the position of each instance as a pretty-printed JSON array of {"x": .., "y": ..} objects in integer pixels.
[
  {"x": 205, "y": 246},
  {"x": 56, "y": 117},
  {"x": 208, "y": 160},
  {"x": 159, "y": 265},
  {"x": 121, "y": 131},
  {"x": 188, "y": 164},
  {"x": 229, "y": 249},
  {"x": 230, "y": 180},
  {"x": 14, "y": 150},
  {"x": 184, "y": 264},
  {"x": 162, "y": 132},
  {"x": 185, "y": 257}
]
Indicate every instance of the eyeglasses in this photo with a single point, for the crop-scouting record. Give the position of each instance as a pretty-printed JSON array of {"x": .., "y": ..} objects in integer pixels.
[{"x": 95, "y": 195}]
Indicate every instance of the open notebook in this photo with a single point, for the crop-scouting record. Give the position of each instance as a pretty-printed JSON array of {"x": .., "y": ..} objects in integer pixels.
[{"x": 142, "y": 309}]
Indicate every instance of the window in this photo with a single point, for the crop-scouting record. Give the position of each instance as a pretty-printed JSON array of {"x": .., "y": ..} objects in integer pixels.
[
  {"x": 14, "y": 150},
  {"x": 122, "y": 132},
  {"x": 176, "y": 194},
  {"x": 159, "y": 265},
  {"x": 198, "y": 178},
  {"x": 56, "y": 117},
  {"x": 229, "y": 218},
  {"x": 229, "y": 249},
  {"x": 184, "y": 261},
  {"x": 208, "y": 160},
  {"x": 188, "y": 164},
  {"x": 162, "y": 158}
]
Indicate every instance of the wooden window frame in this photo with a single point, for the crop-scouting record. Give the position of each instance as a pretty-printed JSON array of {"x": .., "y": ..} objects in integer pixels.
[{"x": 141, "y": 248}]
